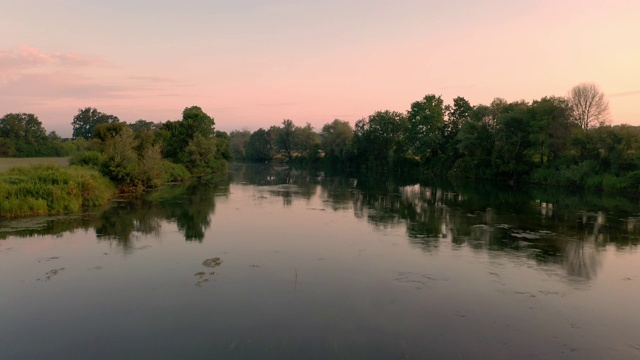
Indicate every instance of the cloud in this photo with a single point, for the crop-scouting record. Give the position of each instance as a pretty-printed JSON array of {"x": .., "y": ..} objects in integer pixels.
[
  {"x": 154, "y": 79},
  {"x": 626, "y": 93},
  {"x": 56, "y": 85},
  {"x": 27, "y": 57}
]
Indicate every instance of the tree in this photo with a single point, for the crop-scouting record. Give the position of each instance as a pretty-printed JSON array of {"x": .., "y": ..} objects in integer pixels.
[
  {"x": 86, "y": 121},
  {"x": 259, "y": 147},
  {"x": 512, "y": 139},
  {"x": 377, "y": 140},
  {"x": 336, "y": 139},
  {"x": 550, "y": 128},
  {"x": 589, "y": 107},
  {"x": 305, "y": 139},
  {"x": 426, "y": 127},
  {"x": 239, "y": 140},
  {"x": 284, "y": 137},
  {"x": 143, "y": 126},
  {"x": 22, "y": 135},
  {"x": 176, "y": 135}
]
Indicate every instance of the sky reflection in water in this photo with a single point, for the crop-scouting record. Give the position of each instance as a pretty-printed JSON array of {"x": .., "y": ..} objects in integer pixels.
[{"x": 289, "y": 264}]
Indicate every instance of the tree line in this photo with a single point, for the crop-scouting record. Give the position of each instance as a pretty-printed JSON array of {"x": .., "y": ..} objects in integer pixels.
[
  {"x": 134, "y": 155},
  {"x": 561, "y": 141},
  {"x": 554, "y": 140}
]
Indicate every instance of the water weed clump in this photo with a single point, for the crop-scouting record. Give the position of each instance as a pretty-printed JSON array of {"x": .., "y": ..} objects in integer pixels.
[{"x": 50, "y": 189}]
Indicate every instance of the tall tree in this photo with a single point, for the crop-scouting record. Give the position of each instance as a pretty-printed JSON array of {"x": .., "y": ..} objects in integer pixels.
[
  {"x": 177, "y": 135},
  {"x": 426, "y": 124},
  {"x": 23, "y": 135},
  {"x": 336, "y": 138},
  {"x": 284, "y": 137},
  {"x": 589, "y": 106},
  {"x": 305, "y": 139},
  {"x": 239, "y": 139},
  {"x": 377, "y": 140},
  {"x": 86, "y": 121},
  {"x": 259, "y": 147}
]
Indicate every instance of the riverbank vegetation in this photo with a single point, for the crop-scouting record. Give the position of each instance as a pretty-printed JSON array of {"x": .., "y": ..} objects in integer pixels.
[
  {"x": 106, "y": 154},
  {"x": 51, "y": 189},
  {"x": 558, "y": 141}
]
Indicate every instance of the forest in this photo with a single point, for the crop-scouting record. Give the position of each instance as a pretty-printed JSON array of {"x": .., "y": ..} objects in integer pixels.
[{"x": 558, "y": 141}]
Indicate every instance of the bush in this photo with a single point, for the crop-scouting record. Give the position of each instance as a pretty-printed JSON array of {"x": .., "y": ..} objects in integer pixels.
[
  {"x": 174, "y": 172},
  {"x": 614, "y": 184},
  {"x": 50, "y": 189},
  {"x": 92, "y": 159}
]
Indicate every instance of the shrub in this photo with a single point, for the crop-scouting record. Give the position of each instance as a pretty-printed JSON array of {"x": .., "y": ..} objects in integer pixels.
[{"x": 50, "y": 189}]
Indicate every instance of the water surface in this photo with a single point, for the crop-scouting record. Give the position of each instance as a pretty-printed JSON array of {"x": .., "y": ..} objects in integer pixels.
[{"x": 270, "y": 263}]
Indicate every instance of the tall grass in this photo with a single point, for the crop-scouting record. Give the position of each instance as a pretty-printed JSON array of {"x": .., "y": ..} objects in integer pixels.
[
  {"x": 9, "y": 163},
  {"x": 49, "y": 189}
]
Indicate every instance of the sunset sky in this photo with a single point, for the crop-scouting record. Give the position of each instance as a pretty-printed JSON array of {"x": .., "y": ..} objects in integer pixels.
[{"x": 251, "y": 64}]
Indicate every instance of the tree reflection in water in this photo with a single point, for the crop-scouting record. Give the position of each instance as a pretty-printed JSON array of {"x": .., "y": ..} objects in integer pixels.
[
  {"x": 550, "y": 227},
  {"x": 555, "y": 228}
]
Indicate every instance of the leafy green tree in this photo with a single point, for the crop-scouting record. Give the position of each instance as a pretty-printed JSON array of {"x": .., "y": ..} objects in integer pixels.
[
  {"x": 201, "y": 154},
  {"x": 86, "y": 121},
  {"x": 23, "y": 135},
  {"x": 284, "y": 138},
  {"x": 238, "y": 142},
  {"x": 377, "y": 141},
  {"x": 140, "y": 126},
  {"x": 305, "y": 140},
  {"x": 223, "y": 145},
  {"x": 176, "y": 135},
  {"x": 259, "y": 148},
  {"x": 426, "y": 126},
  {"x": 475, "y": 142},
  {"x": 336, "y": 138},
  {"x": 512, "y": 139},
  {"x": 550, "y": 129}
]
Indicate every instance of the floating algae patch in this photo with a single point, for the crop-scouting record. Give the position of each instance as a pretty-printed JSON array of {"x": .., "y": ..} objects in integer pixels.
[
  {"x": 51, "y": 273},
  {"x": 213, "y": 262},
  {"x": 29, "y": 223},
  {"x": 202, "y": 276}
]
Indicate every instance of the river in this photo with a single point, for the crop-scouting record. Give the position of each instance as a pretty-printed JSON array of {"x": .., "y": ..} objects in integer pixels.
[{"x": 271, "y": 263}]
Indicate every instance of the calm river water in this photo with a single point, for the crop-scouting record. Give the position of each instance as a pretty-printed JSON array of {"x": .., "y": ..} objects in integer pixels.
[{"x": 270, "y": 263}]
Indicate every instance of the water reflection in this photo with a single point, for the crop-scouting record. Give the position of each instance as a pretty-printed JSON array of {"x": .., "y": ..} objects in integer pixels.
[
  {"x": 189, "y": 206},
  {"x": 556, "y": 229},
  {"x": 569, "y": 231}
]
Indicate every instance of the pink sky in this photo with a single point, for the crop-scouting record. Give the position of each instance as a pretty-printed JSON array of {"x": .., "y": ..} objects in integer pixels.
[{"x": 251, "y": 64}]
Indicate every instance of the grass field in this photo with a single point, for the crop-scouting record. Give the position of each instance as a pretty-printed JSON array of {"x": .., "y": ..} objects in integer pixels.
[{"x": 8, "y": 163}]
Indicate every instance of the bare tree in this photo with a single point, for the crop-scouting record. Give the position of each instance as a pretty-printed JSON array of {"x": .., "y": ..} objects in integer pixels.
[{"x": 589, "y": 107}]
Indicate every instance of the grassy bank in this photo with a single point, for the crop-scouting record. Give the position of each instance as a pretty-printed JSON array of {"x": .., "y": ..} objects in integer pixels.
[
  {"x": 9, "y": 163},
  {"x": 50, "y": 189}
]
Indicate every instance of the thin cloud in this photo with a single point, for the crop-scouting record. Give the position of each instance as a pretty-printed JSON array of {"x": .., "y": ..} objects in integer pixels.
[
  {"x": 154, "y": 79},
  {"x": 27, "y": 57},
  {"x": 57, "y": 85},
  {"x": 625, "y": 93}
]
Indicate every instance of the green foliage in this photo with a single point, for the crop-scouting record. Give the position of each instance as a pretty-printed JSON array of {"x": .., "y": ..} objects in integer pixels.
[
  {"x": 22, "y": 135},
  {"x": 49, "y": 189},
  {"x": 200, "y": 155},
  {"x": 259, "y": 147},
  {"x": 86, "y": 120},
  {"x": 92, "y": 159},
  {"x": 194, "y": 142},
  {"x": 378, "y": 141},
  {"x": 426, "y": 127},
  {"x": 336, "y": 140},
  {"x": 238, "y": 143}
]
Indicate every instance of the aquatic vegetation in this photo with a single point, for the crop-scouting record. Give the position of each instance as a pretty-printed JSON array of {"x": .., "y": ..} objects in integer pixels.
[
  {"x": 212, "y": 263},
  {"x": 50, "y": 189}
]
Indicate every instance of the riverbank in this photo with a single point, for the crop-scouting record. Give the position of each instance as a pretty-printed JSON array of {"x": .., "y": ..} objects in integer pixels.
[{"x": 48, "y": 189}]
